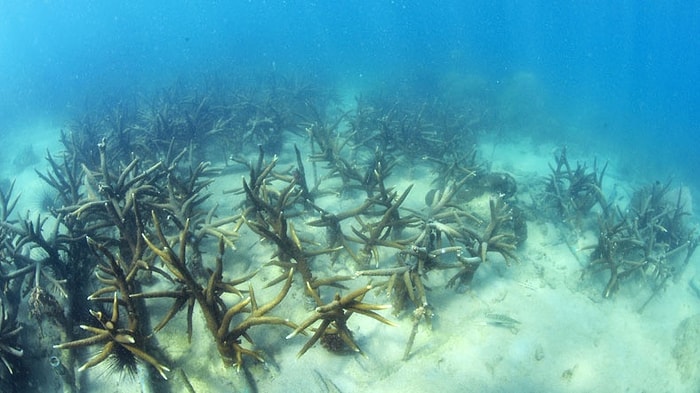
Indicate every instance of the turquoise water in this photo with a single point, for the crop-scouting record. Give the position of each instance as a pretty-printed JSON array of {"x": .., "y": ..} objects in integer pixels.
[
  {"x": 615, "y": 82},
  {"x": 625, "y": 72}
]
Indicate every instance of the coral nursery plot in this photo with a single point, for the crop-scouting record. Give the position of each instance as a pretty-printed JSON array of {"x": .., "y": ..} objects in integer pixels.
[{"x": 262, "y": 237}]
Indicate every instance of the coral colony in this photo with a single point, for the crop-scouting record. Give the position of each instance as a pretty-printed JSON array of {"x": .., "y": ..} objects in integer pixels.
[{"x": 151, "y": 214}]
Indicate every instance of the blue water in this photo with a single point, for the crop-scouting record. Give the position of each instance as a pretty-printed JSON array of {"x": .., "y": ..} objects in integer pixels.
[
  {"x": 625, "y": 72},
  {"x": 616, "y": 79}
]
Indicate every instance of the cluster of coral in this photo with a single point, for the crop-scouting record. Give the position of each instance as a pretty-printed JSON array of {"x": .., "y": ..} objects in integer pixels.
[{"x": 145, "y": 216}]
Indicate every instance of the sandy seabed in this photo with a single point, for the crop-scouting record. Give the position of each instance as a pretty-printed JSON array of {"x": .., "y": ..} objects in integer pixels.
[{"x": 568, "y": 337}]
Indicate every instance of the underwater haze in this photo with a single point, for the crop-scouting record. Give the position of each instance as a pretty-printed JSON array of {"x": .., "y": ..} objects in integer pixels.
[
  {"x": 499, "y": 193},
  {"x": 624, "y": 72}
]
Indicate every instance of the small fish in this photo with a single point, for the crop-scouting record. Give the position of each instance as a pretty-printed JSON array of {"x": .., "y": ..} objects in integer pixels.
[{"x": 502, "y": 320}]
